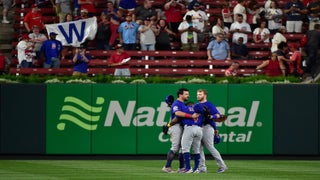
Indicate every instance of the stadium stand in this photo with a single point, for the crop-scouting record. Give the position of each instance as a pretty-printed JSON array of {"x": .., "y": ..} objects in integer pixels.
[{"x": 166, "y": 63}]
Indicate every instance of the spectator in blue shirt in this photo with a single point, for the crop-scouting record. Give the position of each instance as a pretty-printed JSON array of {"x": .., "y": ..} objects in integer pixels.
[
  {"x": 219, "y": 49},
  {"x": 80, "y": 60},
  {"x": 295, "y": 12},
  {"x": 128, "y": 33},
  {"x": 51, "y": 50}
]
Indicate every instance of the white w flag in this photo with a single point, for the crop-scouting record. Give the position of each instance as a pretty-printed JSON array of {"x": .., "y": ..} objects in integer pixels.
[{"x": 74, "y": 33}]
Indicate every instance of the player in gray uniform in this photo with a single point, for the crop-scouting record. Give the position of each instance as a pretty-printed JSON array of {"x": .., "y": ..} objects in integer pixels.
[
  {"x": 191, "y": 137},
  {"x": 208, "y": 130},
  {"x": 175, "y": 131}
]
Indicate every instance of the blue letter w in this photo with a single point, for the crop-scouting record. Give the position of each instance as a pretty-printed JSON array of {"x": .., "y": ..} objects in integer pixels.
[{"x": 72, "y": 27}]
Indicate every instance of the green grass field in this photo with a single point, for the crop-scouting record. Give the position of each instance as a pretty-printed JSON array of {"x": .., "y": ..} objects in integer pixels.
[{"x": 151, "y": 169}]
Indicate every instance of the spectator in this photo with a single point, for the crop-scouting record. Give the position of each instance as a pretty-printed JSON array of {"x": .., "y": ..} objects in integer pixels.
[
  {"x": 115, "y": 18},
  {"x": 193, "y": 2},
  {"x": 148, "y": 32},
  {"x": 252, "y": 10},
  {"x": 295, "y": 12},
  {"x": 37, "y": 38},
  {"x": 127, "y": 6},
  {"x": 76, "y": 9},
  {"x": 6, "y": 6},
  {"x": 173, "y": 13},
  {"x": 267, "y": 4},
  {"x": 89, "y": 5},
  {"x": 103, "y": 33},
  {"x": 271, "y": 67},
  {"x": 68, "y": 17},
  {"x": 278, "y": 38},
  {"x": 240, "y": 29},
  {"x": 199, "y": 17},
  {"x": 274, "y": 16},
  {"x": 163, "y": 38},
  {"x": 189, "y": 38},
  {"x": 313, "y": 13},
  {"x": 232, "y": 70},
  {"x": 63, "y": 7},
  {"x": 146, "y": 11},
  {"x": 219, "y": 49},
  {"x": 240, "y": 9},
  {"x": 4, "y": 63},
  {"x": 51, "y": 50},
  {"x": 227, "y": 14},
  {"x": 219, "y": 28},
  {"x": 128, "y": 33},
  {"x": 80, "y": 60},
  {"x": 119, "y": 60},
  {"x": 312, "y": 49},
  {"x": 239, "y": 50},
  {"x": 261, "y": 34},
  {"x": 282, "y": 58},
  {"x": 84, "y": 14},
  {"x": 34, "y": 17},
  {"x": 295, "y": 60},
  {"x": 25, "y": 52}
]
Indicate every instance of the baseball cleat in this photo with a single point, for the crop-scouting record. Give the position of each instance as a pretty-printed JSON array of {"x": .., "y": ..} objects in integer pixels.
[
  {"x": 188, "y": 171},
  {"x": 196, "y": 171},
  {"x": 222, "y": 169},
  {"x": 167, "y": 170},
  {"x": 180, "y": 170}
]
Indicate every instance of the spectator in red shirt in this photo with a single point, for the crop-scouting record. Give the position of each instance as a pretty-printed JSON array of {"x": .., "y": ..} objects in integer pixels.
[
  {"x": 89, "y": 5},
  {"x": 34, "y": 18},
  {"x": 172, "y": 12},
  {"x": 232, "y": 70},
  {"x": 119, "y": 60},
  {"x": 272, "y": 66}
]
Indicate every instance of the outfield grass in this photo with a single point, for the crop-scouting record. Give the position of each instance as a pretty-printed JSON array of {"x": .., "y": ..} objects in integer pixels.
[{"x": 151, "y": 169}]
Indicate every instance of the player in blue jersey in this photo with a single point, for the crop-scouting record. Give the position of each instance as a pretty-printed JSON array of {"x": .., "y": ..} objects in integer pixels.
[
  {"x": 178, "y": 110},
  {"x": 209, "y": 129},
  {"x": 191, "y": 139}
]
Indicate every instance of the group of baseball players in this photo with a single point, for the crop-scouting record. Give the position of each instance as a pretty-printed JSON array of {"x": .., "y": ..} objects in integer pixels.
[{"x": 192, "y": 126}]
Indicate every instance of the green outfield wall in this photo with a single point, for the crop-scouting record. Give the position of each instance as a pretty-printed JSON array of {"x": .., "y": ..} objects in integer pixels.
[{"x": 95, "y": 119}]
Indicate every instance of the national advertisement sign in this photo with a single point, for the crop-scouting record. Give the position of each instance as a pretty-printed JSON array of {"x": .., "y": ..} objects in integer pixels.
[{"x": 127, "y": 119}]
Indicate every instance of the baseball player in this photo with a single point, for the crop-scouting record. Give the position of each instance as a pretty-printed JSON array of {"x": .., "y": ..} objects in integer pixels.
[
  {"x": 208, "y": 130},
  {"x": 191, "y": 137},
  {"x": 178, "y": 110}
]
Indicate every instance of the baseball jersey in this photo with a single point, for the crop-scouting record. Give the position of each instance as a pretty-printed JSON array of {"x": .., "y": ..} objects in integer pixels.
[
  {"x": 129, "y": 32},
  {"x": 177, "y": 106},
  {"x": 51, "y": 48},
  {"x": 190, "y": 121},
  {"x": 213, "y": 110},
  {"x": 244, "y": 27}
]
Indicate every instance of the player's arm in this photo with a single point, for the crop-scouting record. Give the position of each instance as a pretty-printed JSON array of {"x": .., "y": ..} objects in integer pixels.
[
  {"x": 186, "y": 115},
  {"x": 173, "y": 121}
]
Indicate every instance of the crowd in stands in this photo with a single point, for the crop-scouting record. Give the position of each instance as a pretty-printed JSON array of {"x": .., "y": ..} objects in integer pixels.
[{"x": 155, "y": 25}]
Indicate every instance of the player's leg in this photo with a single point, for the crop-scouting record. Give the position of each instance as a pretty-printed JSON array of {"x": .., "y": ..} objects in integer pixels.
[
  {"x": 196, "y": 147},
  {"x": 207, "y": 140},
  {"x": 205, "y": 132},
  {"x": 202, "y": 163},
  {"x": 186, "y": 142},
  {"x": 175, "y": 138}
]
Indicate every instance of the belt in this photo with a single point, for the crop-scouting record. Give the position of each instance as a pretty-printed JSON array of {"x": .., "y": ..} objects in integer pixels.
[{"x": 192, "y": 125}]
